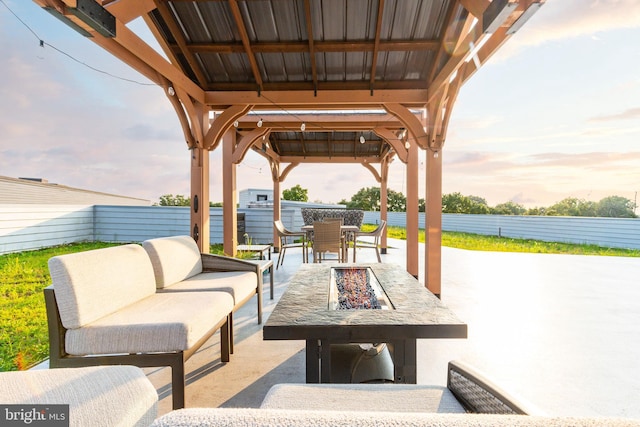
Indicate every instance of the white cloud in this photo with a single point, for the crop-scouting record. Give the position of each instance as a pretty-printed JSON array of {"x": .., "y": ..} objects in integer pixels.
[{"x": 564, "y": 19}]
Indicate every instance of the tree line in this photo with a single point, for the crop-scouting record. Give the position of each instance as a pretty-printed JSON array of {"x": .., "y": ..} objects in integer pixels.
[
  {"x": 612, "y": 206},
  {"x": 368, "y": 199}
]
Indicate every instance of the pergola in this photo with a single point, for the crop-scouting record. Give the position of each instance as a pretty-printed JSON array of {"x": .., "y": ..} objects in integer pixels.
[{"x": 309, "y": 81}]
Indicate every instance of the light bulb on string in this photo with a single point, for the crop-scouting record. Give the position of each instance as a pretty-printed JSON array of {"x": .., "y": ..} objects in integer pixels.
[
  {"x": 362, "y": 140},
  {"x": 303, "y": 127},
  {"x": 260, "y": 123},
  {"x": 407, "y": 145},
  {"x": 235, "y": 124}
]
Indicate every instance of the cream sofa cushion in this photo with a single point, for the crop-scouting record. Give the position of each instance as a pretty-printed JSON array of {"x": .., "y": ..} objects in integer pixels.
[
  {"x": 103, "y": 395},
  {"x": 370, "y": 397},
  {"x": 239, "y": 284},
  {"x": 161, "y": 322},
  {"x": 251, "y": 417},
  {"x": 174, "y": 259},
  {"x": 92, "y": 284}
]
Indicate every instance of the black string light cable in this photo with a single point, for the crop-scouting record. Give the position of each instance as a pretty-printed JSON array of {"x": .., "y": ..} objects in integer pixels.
[{"x": 44, "y": 43}]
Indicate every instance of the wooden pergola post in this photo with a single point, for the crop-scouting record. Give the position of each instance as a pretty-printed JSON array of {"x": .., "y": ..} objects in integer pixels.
[
  {"x": 384, "y": 203},
  {"x": 229, "y": 197},
  {"x": 275, "y": 176},
  {"x": 200, "y": 219},
  {"x": 413, "y": 265},
  {"x": 433, "y": 221}
]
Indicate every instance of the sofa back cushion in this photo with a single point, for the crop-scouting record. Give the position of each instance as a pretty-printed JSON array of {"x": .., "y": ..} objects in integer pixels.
[
  {"x": 92, "y": 284},
  {"x": 174, "y": 259}
]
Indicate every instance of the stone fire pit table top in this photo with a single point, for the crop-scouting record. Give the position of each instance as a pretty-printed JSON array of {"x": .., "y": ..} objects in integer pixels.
[{"x": 303, "y": 313}]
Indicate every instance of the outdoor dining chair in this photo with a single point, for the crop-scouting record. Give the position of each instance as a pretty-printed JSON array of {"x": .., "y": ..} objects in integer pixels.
[
  {"x": 366, "y": 244},
  {"x": 288, "y": 240},
  {"x": 327, "y": 238}
]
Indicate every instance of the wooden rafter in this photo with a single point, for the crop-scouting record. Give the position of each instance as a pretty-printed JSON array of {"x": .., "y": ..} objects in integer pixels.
[
  {"x": 327, "y": 99},
  {"x": 237, "y": 16},
  {"x": 443, "y": 40},
  {"x": 475, "y": 7},
  {"x": 318, "y": 46},
  {"x": 310, "y": 44},
  {"x": 376, "y": 44},
  {"x": 176, "y": 33}
]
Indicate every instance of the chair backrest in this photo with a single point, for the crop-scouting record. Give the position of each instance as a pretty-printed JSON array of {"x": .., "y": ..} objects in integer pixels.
[
  {"x": 326, "y": 236},
  {"x": 380, "y": 229},
  {"x": 92, "y": 284},
  {"x": 334, "y": 219},
  {"x": 174, "y": 259},
  {"x": 280, "y": 227}
]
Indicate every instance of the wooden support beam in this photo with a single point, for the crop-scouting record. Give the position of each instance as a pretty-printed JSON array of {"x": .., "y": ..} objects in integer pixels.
[
  {"x": 433, "y": 222},
  {"x": 229, "y": 206},
  {"x": 200, "y": 220},
  {"x": 222, "y": 123}
]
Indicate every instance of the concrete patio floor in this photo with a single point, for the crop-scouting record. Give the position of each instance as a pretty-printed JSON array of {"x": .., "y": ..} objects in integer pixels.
[{"x": 561, "y": 332}]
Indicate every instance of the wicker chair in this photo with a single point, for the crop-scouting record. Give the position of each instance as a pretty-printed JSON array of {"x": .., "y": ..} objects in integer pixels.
[
  {"x": 376, "y": 240},
  {"x": 327, "y": 238},
  {"x": 287, "y": 240}
]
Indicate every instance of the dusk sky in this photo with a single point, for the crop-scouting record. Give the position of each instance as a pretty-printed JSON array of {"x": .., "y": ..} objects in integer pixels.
[{"x": 555, "y": 113}]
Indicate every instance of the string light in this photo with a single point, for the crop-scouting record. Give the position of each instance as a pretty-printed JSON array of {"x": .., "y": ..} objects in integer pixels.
[
  {"x": 303, "y": 127},
  {"x": 171, "y": 91},
  {"x": 235, "y": 124},
  {"x": 362, "y": 139},
  {"x": 260, "y": 122}
]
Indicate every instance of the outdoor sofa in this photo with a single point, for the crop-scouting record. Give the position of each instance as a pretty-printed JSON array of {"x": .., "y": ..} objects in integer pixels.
[
  {"x": 123, "y": 396},
  {"x": 147, "y": 307},
  {"x": 469, "y": 399}
]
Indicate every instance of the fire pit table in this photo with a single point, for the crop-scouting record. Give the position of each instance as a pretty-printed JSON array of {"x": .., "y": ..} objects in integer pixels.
[{"x": 399, "y": 311}]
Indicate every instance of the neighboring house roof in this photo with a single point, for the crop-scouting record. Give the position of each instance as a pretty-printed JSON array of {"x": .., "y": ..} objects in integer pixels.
[{"x": 30, "y": 191}]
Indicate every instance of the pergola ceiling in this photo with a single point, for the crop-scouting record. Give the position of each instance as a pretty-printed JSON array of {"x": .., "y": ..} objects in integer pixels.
[
  {"x": 309, "y": 45},
  {"x": 308, "y": 54}
]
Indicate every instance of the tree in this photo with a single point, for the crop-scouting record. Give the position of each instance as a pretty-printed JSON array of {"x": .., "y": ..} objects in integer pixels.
[
  {"x": 457, "y": 203},
  {"x": 396, "y": 201},
  {"x": 616, "y": 207},
  {"x": 296, "y": 193},
  {"x": 572, "y": 207},
  {"x": 177, "y": 200},
  {"x": 508, "y": 208},
  {"x": 367, "y": 199},
  {"x": 454, "y": 203}
]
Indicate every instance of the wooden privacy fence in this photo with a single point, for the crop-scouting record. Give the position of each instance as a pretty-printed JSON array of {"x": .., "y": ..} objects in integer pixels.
[{"x": 27, "y": 227}]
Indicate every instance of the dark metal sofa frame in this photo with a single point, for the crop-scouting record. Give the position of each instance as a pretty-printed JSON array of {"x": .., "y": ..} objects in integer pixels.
[{"x": 59, "y": 358}]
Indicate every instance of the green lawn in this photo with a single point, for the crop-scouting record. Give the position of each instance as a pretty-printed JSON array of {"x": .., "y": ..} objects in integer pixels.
[{"x": 23, "y": 324}]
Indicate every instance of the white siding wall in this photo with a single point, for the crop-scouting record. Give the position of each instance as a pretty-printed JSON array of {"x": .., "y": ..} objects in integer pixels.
[
  {"x": 607, "y": 232},
  {"x": 28, "y": 227}
]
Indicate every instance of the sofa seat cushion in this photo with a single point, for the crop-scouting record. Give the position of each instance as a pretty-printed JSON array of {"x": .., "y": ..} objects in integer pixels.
[
  {"x": 174, "y": 259},
  {"x": 159, "y": 323},
  {"x": 370, "y": 397},
  {"x": 92, "y": 284},
  {"x": 209, "y": 417},
  {"x": 103, "y": 395},
  {"x": 239, "y": 284}
]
